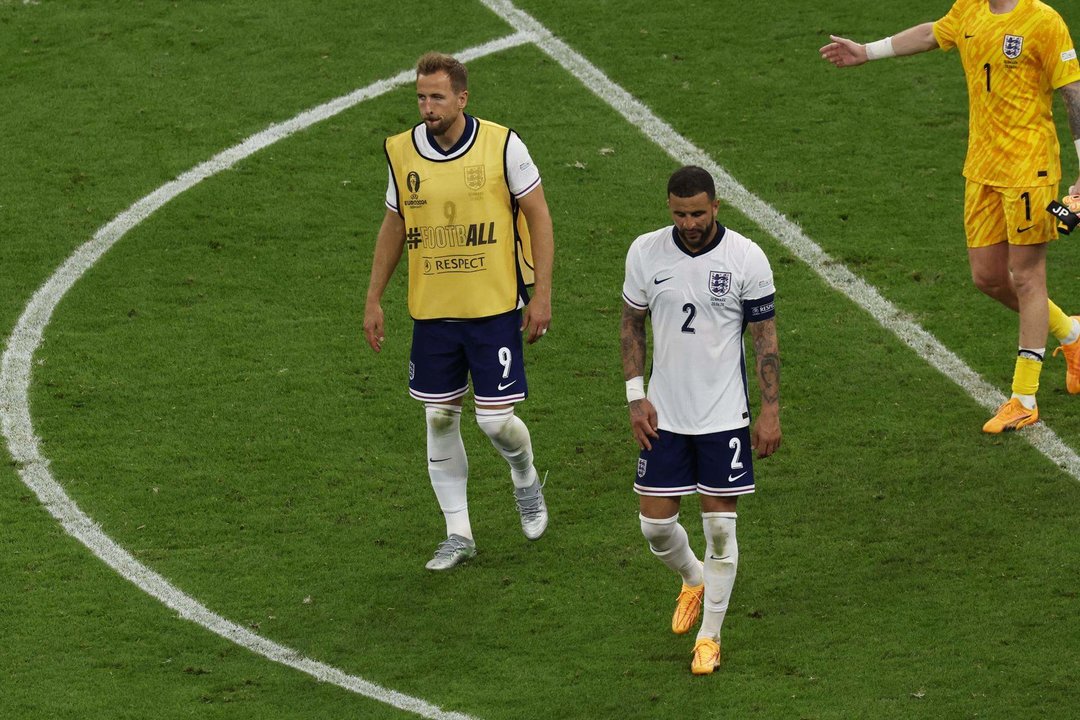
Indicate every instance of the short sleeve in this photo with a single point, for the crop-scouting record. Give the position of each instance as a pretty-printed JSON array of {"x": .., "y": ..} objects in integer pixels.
[
  {"x": 391, "y": 190},
  {"x": 759, "y": 289},
  {"x": 1060, "y": 62},
  {"x": 758, "y": 274},
  {"x": 522, "y": 175},
  {"x": 947, "y": 28},
  {"x": 633, "y": 285}
]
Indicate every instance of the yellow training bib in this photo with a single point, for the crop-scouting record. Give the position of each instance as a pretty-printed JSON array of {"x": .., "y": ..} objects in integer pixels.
[{"x": 468, "y": 247}]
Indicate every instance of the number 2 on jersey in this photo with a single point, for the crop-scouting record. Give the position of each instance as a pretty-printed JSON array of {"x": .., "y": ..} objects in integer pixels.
[{"x": 691, "y": 312}]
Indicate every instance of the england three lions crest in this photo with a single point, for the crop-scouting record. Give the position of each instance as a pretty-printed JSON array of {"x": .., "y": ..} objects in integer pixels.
[
  {"x": 1013, "y": 46},
  {"x": 719, "y": 283},
  {"x": 475, "y": 177}
]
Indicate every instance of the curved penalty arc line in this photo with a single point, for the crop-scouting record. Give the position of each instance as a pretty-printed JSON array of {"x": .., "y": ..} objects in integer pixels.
[{"x": 33, "y": 466}]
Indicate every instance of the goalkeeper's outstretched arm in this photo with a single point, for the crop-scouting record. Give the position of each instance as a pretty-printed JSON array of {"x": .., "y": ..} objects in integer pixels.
[{"x": 842, "y": 52}]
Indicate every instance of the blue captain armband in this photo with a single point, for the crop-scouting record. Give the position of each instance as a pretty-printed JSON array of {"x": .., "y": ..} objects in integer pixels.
[{"x": 760, "y": 308}]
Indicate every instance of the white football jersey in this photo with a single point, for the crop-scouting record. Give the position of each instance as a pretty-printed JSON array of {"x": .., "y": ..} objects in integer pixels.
[{"x": 700, "y": 304}]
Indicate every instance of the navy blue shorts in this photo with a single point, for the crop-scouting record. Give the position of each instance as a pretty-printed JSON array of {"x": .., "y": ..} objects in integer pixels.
[
  {"x": 445, "y": 353},
  {"x": 719, "y": 464}
]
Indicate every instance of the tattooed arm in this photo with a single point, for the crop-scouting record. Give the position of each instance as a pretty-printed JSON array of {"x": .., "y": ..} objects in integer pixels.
[
  {"x": 643, "y": 419},
  {"x": 1071, "y": 95},
  {"x": 765, "y": 435}
]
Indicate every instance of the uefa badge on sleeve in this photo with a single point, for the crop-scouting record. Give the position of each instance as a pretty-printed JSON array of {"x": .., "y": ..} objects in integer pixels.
[{"x": 1067, "y": 213}]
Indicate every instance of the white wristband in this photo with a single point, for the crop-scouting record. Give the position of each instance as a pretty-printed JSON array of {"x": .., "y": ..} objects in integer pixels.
[
  {"x": 1078, "y": 149},
  {"x": 880, "y": 49},
  {"x": 635, "y": 389}
]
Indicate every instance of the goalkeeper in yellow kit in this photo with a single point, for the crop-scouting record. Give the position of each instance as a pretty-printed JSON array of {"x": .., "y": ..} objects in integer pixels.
[{"x": 1015, "y": 53}]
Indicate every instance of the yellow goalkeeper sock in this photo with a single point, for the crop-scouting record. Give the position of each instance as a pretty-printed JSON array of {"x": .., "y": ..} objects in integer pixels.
[
  {"x": 1061, "y": 325},
  {"x": 1026, "y": 374}
]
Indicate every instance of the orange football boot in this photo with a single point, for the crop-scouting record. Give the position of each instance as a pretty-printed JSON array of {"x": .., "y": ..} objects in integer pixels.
[
  {"x": 1012, "y": 415},
  {"x": 706, "y": 656}
]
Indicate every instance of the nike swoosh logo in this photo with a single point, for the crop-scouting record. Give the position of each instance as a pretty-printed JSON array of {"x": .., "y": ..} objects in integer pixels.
[
  {"x": 439, "y": 460},
  {"x": 503, "y": 387},
  {"x": 733, "y": 478},
  {"x": 1020, "y": 230},
  {"x": 657, "y": 281},
  {"x": 726, "y": 557},
  {"x": 968, "y": 37}
]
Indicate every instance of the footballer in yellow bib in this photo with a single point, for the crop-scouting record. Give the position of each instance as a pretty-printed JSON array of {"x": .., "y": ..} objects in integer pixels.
[
  {"x": 465, "y": 204},
  {"x": 467, "y": 230}
]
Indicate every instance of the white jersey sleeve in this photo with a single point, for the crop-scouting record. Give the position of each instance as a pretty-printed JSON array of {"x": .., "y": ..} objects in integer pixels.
[
  {"x": 634, "y": 291},
  {"x": 522, "y": 175},
  {"x": 391, "y": 190},
  {"x": 758, "y": 288}
]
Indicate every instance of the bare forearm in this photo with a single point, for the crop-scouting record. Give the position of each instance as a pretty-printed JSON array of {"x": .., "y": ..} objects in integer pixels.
[
  {"x": 915, "y": 40},
  {"x": 767, "y": 353},
  {"x": 632, "y": 342},
  {"x": 389, "y": 246},
  {"x": 1071, "y": 94},
  {"x": 542, "y": 236}
]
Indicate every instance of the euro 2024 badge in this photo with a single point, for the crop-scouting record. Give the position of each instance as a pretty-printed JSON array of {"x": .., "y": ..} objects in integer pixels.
[
  {"x": 1012, "y": 46},
  {"x": 719, "y": 282}
]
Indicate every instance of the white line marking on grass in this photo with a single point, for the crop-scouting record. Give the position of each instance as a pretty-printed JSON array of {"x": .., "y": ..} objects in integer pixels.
[
  {"x": 785, "y": 231},
  {"x": 23, "y": 443},
  {"x": 15, "y": 371}
]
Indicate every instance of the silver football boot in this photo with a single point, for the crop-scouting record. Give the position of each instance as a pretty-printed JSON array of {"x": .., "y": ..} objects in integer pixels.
[
  {"x": 451, "y": 552},
  {"x": 533, "y": 509}
]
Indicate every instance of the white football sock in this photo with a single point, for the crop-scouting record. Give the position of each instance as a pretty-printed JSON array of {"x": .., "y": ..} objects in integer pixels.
[
  {"x": 721, "y": 563},
  {"x": 669, "y": 542},
  {"x": 511, "y": 438},
  {"x": 1074, "y": 334},
  {"x": 448, "y": 466}
]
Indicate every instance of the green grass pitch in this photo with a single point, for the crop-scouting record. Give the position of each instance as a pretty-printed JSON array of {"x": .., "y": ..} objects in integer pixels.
[{"x": 205, "y": 394}]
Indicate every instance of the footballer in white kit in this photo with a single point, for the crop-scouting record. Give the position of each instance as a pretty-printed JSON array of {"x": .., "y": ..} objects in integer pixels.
[{"x": 703, "y": 285}]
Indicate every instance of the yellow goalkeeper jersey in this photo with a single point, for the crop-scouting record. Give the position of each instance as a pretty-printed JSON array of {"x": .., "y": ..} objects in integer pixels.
[{"x": 1013, "y": 63}]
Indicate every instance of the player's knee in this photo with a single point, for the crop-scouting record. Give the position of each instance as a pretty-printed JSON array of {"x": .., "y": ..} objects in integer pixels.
[
  {"x": 659, "y": 531},
  {"x": 990, "y": 283},
  {"x": 719, "y": 530},
  {"x": 502, "y": 426},
  {"x": 441, "y": 419}
]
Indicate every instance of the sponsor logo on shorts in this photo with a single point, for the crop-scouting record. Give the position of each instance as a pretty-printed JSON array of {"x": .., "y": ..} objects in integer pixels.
[
  {"x": 503, "y": 387},
  {"x": 733, "y": 478}
]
